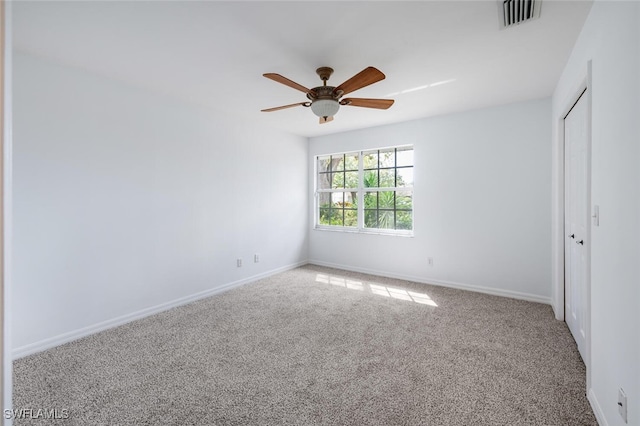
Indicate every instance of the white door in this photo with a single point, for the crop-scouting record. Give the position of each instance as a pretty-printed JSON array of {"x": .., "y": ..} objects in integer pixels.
[{"x": 576, "y": 220}]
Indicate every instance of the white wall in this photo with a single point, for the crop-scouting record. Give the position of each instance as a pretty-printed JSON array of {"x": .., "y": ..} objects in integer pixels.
[
  {"x": 611, "y": 39},
  {"x": 125, "y": 200},
  {"x": 6, "y": 374},
  {"x": 482, "y": 202}
]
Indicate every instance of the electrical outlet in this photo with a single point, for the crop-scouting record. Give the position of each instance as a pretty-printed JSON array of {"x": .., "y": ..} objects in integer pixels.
[
  {"x": 239, "y": 263},
  {"x": 430, "y": 261},
  {"x": 256, "y": 258},
  {"x": 622, "y": 404}
]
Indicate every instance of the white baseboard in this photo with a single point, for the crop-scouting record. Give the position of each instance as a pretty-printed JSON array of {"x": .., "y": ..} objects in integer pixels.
[
  {"x": 469, "y": 287},
  {"x": 60, "y": 339},
  {"x": 597, "y": 410}
]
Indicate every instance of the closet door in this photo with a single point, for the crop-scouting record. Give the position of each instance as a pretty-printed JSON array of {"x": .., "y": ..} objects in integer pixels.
[{"x": 576, "y": 220}]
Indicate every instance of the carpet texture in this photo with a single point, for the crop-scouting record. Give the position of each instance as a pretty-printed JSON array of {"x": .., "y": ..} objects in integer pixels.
[{"x": 318, "y": 346}]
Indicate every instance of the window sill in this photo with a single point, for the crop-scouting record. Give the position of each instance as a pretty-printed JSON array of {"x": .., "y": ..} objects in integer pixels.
[{"x": 407, "y": 234}]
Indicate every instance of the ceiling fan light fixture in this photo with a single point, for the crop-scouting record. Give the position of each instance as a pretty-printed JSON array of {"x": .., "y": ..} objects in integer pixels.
[
  {"x": 325, "y": 100},
  {"x": 325, "y": 107}
]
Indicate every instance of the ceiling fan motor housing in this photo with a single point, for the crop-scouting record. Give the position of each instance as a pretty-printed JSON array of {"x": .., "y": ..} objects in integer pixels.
[{"x": 324, "y": 92}]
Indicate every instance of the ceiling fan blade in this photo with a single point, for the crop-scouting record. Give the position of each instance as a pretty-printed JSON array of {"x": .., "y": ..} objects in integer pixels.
[
  {"x": 364, "y": 78},
  {"x": 283, "y": 107},
  {"x": 286, "y": 82},
  {"x": 326, "y": 119},
  {"x": 368, "y": 103}
]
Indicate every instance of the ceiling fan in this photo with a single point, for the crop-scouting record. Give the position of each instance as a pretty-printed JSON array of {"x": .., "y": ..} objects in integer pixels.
[{"x": 325, "y": 100}]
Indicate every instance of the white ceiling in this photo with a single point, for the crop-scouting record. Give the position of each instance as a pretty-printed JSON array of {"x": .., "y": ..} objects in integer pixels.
[{"x": 214, "y": 53}]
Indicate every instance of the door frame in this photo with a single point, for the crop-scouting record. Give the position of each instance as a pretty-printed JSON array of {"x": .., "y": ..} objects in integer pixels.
[{"x": 558, "y": 231}]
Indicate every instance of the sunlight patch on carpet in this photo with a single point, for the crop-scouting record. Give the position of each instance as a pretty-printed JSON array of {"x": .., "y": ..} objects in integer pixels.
[{"x": 377, "y": 289}]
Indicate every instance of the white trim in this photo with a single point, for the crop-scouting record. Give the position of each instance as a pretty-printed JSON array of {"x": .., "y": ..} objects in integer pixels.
[
  {"x": 7, "y": 185},
  {"x": 105, "y": 325},
  {"x": 370, "y": 231},
  {"x": 460, "y": 286},
  {"x": 406, "y": 145},
  {"x": 597, "y": 410},
  {"x": 587, "y": 312}
]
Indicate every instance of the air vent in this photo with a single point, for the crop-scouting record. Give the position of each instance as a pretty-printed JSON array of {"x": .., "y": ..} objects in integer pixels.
[{"x": 515, "y": 12}]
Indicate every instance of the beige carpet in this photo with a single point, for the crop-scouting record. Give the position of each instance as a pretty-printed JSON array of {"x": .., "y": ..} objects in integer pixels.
[{"x": 319, "y": 346}]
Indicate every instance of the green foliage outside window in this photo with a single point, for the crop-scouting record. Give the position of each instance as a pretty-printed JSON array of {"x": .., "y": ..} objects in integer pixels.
[{"x": 338, "y": 184}]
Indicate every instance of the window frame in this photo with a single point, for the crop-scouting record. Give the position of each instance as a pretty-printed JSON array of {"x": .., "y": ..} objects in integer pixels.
[{"x": 361, "y": 191}]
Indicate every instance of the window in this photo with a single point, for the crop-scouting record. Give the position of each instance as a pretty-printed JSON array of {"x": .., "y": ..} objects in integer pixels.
[{"x": 366, "y": 191}]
